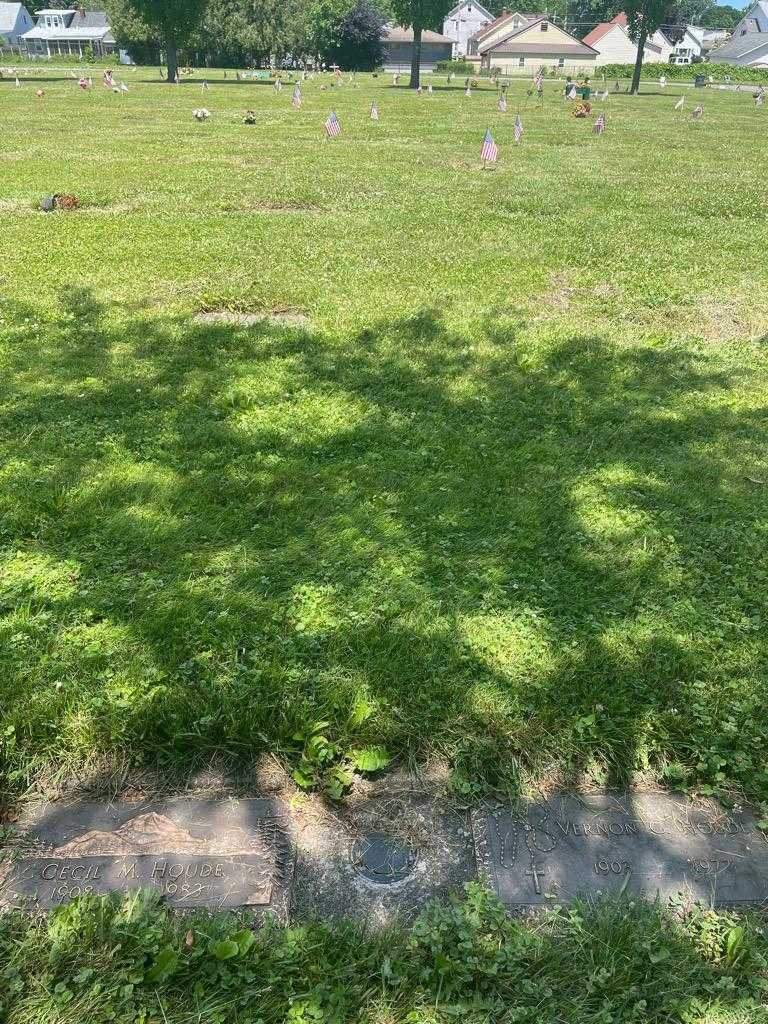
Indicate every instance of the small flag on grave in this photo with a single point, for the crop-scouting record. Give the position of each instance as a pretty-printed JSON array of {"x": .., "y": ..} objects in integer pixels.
[
  {"x": 490, "y": 151},
  {"x": 599, "y": 127},
  {"x": 503, "y": 103},
  {"x": 469, "y": 91},
  {"x": 332, "y": 126},
  {"x": 429, "y": 89},
  {"x": 123, "y": 87},
  {"x": 205, "y": 87},
  {"x": 18, "y": 84},
  {"x": 572, "y": 94},
  {"x": 518, "y": 128},
  {"x": 680, "y": 103},
  {"x": 374, "y": 111},
  {"x": 697, "y": 112},
  {"x": 296, "y": 98}
]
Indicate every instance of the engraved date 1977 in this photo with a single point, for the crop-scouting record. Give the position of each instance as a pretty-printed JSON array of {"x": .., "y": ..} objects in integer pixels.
[{"x": 709, "y": 867}]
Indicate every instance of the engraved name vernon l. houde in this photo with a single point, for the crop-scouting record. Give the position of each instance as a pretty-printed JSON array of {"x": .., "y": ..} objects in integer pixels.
[
  {"x": 216, "y": 854},
  {"x": 645, "y": 845}
]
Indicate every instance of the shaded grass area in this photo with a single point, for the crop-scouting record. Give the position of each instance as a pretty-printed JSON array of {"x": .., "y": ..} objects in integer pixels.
[
  {"x": 532, "y": 551},
  {"x": 100, "y": 961},
  {"x": 502, "y": 497}
]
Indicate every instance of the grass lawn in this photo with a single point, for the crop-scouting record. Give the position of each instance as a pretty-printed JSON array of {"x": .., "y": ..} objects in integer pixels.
[
  {"x": 498, "y": 490},
  {"x": 100, "y": 963}
]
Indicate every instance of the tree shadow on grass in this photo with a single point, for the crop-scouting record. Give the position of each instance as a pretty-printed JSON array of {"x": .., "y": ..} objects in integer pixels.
[{"x": 529, "y": 558}]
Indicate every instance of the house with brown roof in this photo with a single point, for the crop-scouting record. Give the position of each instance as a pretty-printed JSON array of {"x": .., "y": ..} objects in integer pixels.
[
  {"x": 534, "y": 45},
  {"x": 613, "y": 45},
  {"x": 398, "y": 48}
]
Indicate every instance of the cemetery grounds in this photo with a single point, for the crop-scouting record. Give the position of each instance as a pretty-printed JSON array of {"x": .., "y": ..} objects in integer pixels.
[{"x": 345, "y": 453}]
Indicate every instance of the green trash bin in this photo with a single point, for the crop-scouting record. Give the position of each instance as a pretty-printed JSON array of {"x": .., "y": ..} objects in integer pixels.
[
  {"x": 699, "y": 81},
  {"x": 586, "y": 92}
]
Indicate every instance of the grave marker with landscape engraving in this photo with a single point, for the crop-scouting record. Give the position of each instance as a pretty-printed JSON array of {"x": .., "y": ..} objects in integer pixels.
[
  {"x": 196, "y": 853},
  {"x": 644, "y": 845}
]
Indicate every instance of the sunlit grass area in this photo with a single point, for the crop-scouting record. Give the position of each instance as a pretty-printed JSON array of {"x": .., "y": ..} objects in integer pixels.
[
  {"x": 487, "y": 482},
  {"x": 133, "y": 961}
]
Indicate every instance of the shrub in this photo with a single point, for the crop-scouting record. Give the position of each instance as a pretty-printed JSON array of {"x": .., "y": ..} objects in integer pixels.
[
  {"x": 677, "y": 73},
  {"x": 458, "y": 67}
]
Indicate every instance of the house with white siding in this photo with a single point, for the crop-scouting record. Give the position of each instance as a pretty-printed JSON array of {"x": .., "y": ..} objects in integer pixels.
[
  {"x": 69, "y": 33},
  {"x": 748, "y": 46},
  {"x": 462, "y": 22},
  {"x": 15, "y": 20},
  {"x": 613, "y": 45}
]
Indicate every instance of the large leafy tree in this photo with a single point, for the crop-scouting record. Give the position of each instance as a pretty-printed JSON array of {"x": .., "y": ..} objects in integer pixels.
[
  {"x": 644, "y": 17},
  {"x": 355, "y": 40},
  {"x": 722, "y": 16},
  {"x": 171, "y": 21},
  {"x": 419, "y": 14}
]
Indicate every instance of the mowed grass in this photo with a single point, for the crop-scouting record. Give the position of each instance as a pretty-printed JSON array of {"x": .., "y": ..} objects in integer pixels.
[{"x": 500, "y": 497}]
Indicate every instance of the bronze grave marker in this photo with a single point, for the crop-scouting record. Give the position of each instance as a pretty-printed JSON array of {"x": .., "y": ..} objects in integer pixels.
[
  {"x": 197, "y": 853},
  {"x": 645, "y": 845}
]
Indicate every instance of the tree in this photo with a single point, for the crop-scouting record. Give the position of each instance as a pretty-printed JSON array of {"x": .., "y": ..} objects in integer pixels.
[
  {"x": 171, "y": 21},
  {"x": 355, "y": 41},
  {"x": 722, "y": 17},
  {"x": 419, "y": 14},
  {"x": 644, "y": 17}
]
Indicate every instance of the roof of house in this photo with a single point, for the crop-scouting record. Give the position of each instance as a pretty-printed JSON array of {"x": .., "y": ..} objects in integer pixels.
[
  {"x": 88, "y": 25},
  {"x": 457, "y": 7},
  {"x": 9, "y": 14},
  {"x": 598, "y": 32},
  {"x": 524, "y": 48},
  {"x": 504, "y": 16},
  {"x": 740, "y": 46},
  {"x": 398, "y": 34}
]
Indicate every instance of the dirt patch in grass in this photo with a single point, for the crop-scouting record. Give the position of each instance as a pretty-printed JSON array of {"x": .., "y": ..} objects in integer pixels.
[
  {"x": 279, "y": 315},
  {"x": 727, "y": 318},
  {"x": 561, "y": 293}
]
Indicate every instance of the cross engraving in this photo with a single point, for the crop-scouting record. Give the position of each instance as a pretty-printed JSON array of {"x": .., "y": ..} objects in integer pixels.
[{"x": 536, "y": 873}]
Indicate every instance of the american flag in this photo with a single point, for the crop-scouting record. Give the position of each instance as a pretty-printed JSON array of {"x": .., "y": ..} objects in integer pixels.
[
  {"x": 332, "y": 126},
  {"x": 572, "y": 93},
  {"x": 503, "y": 104},
  {"x": 374, "y": 111},
  {"x": 296, "y": 99},
  {"x": 518, "y": 128},
  {"x": 538, "y": 80},
  {"x": 697, "y": 112},
  {"x": 599, "y": 125},
  {"x": 429, "y": 88},
  {"x": 680, "y": 103},
  {"x": 468, "y": 92},
  {"x": 490, "y": 150}
]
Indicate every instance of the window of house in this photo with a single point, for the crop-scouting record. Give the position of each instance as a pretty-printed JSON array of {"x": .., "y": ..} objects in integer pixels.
[
  {"x": 521, "y": 62},
  {"x": 561, "y": 62}
]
